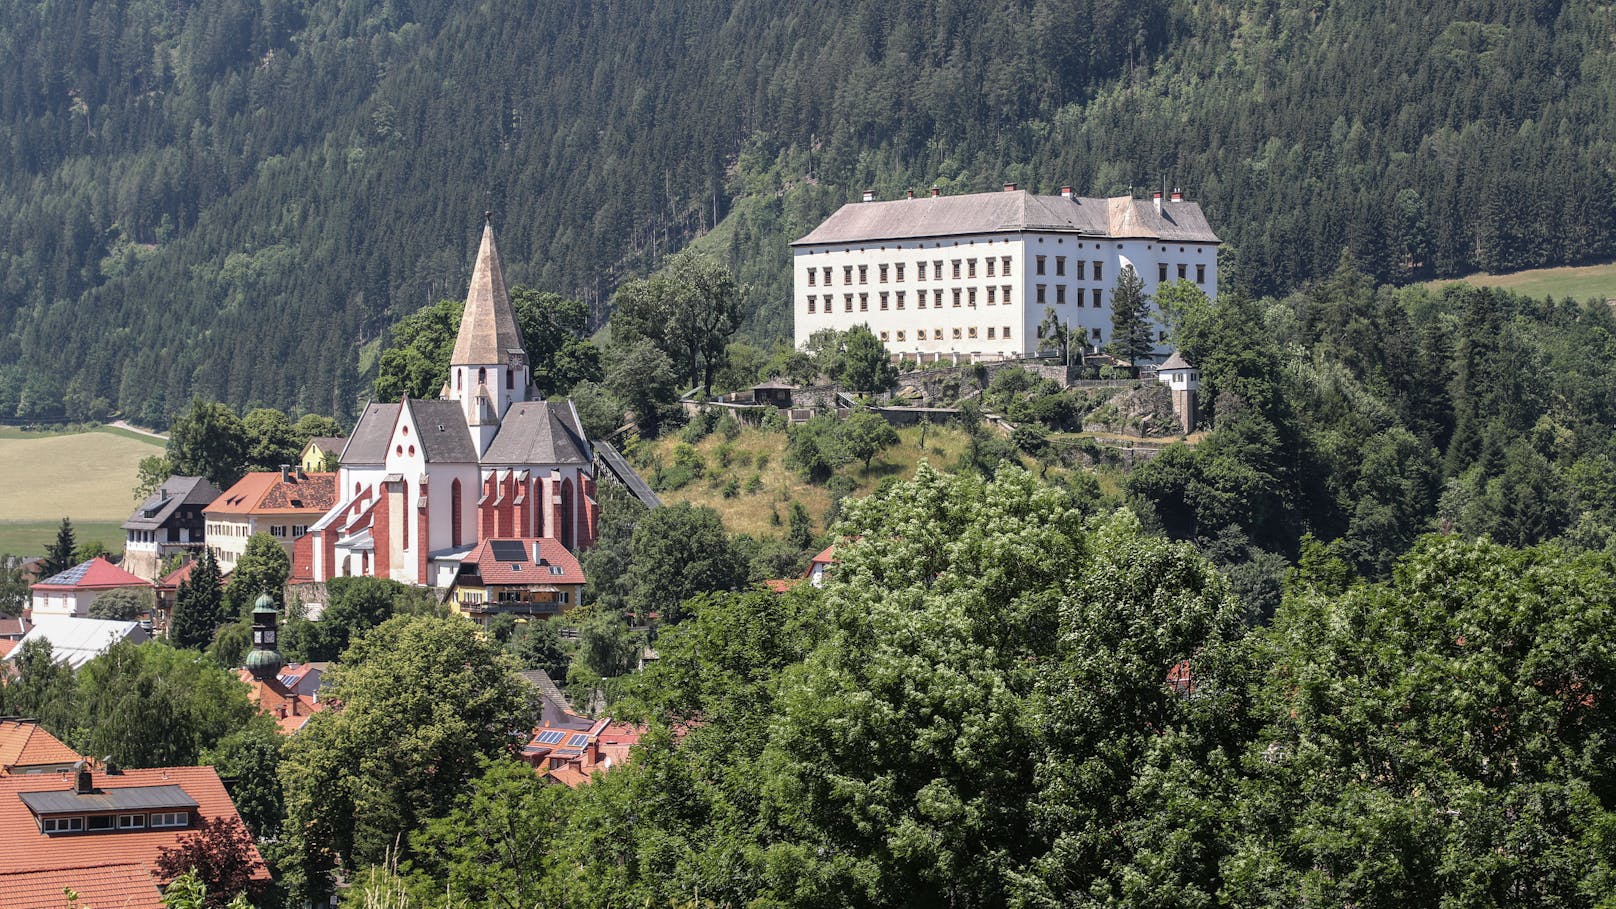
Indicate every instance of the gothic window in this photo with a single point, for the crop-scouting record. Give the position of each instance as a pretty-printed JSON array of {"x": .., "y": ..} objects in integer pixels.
[{"x": 454, "y": 513}]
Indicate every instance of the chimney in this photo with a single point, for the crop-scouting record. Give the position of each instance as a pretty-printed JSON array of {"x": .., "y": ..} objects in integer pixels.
[
  {"x": 1066, "y": 192},
  {"x": 1178, "y": 194},
  {"x": 1156, "y": 197},
  {"x": 300, "y": 474},
  {"x": 869, "y": 195},
  {"x": 537, "y": 559},
  {"x": 286, "y": 472},
  {"x": 1009, "y": 187},
  {"x": 909, "y": 194},
  {"x": 936, "y": 191},
  {"x": 83, "y": 783}
]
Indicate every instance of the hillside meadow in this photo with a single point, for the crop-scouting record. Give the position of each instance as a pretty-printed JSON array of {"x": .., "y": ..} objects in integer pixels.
[{"x": 86, "y": 476}]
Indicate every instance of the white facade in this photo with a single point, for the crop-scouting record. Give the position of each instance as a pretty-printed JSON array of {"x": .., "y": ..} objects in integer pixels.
[{"x": 976, "y": 295}]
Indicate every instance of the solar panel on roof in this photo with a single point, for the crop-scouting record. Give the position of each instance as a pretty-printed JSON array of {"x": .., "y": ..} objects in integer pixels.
[
  {"x": 578, "y": 741},
  {"x": 508, "y": 551},
  {"x": 551, "y": 737}
]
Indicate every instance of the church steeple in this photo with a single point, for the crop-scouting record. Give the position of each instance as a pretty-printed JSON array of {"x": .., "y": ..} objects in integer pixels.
[{"x": 488, "y": 370}]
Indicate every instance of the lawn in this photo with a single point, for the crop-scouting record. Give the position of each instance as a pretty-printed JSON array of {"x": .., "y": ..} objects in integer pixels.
[
  {"x": 86, "y": 476},
  {"x": 778, "y": 485},
  {"x": 1579, "y": 283}
]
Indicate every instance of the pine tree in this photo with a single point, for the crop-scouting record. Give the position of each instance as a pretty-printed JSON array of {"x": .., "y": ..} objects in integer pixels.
[
  {"x": 1130, "y": 317},
  {"x": 59, "y": 556},
  {"x": 196, "y": 605}
]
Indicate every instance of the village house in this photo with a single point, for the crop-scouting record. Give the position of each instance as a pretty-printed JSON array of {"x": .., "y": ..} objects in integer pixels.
[
  {"x": 971, "y": 277},
  {"x": 320, "y": 453},
  {"x": 169, "y": 521},
  {"x": 72, "y": 592},
  {"x": 280, "y": 503},
  {"x": 529, "y": 577},
  {"x": 423, "y": 482},
  {"x": 100, "y": 833},
  {"x": 572, "y": 751},
  {"x": 25, "y": 747}
]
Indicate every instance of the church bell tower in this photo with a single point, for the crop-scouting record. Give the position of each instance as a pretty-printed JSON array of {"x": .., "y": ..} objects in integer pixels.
[{"x": 488, "y": 371}]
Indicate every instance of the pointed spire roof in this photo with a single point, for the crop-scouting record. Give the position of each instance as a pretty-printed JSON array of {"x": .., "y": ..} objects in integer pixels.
[{"x": 488, "y": 325}]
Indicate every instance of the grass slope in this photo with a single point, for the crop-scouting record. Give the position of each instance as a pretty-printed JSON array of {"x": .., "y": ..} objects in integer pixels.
[
  {"x": 780, "y": 485},
  {"x": 1582, "y": 282},
  {"x": 85, "y": 476}
]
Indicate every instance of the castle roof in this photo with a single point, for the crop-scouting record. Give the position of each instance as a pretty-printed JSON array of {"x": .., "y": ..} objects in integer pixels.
[
  {"x": 1121, "y": 217},
  {"x": 488, "y": 329}
]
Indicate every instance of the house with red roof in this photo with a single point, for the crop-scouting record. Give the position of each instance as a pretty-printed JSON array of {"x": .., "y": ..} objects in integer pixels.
[
  {"x": 280, "y": 503},
  {"x": 100, "y": 833},
  {"x": 573, "y": 750},
  {"x": 168, "y": 590},
  {"x": 25, "y": 747},
  {"x": 530, "y": 577},
  {"x": 71, "y": 592},
  {"x": 821, "y": 564}
]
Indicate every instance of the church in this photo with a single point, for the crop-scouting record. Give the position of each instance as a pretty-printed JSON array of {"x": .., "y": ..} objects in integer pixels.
[{"x": 422, "y": 482}]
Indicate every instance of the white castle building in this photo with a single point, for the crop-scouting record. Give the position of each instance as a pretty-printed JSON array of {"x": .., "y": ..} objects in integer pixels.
[{"x": 970, "y": 277}]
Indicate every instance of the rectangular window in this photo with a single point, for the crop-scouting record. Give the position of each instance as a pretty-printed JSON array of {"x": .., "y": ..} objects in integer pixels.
[
  {"x": 131, "y": 822},
  {"x": 812, "y": 274},
  {"x": 899, "y": 268},
  {"x": 883, "y": 273},
  {"x": 1060, "y": 265},
  {"x": 972, "y": 331},
  {"x": 847, "y": 274},
  {"x": 864, "y": 302},
  {"x": 100, "y": 822},
  {"x": 991, "y": 261},
  {"x": 900, "y": 334},
  {"x": 993, "y": 296},
  {"x": 1181, "y": 268},
  {"x": 883, "y": 300},
  {"x": 1097, "y": 272},
  {"x": 970, "y": 268},
  {"x": 990, "y": 332},
  {"x": 920, "y": 299},
  {"x": 937, "y": 298},
  {"x": 278, "y": 531},
  {"x": 956, "y": 298},
  {"x": 920, "y": 271},
  {"x": 1040, "y": 266},
  {"x": 971, "y": 294},
  {"x": 937, "y": 270},
  {"x": 830, "y": 304},
  {"x": 1060, "y": 293},
  {"x": 1200, "y": 274},
  {"x": 1007, "y": 332},
  {"x": 900, "y": 299},
  {"x": 1096, "y": 334},
  {"x": 62, "y": 824},
  {"x": 847, "y": 302},
  {"x": 1006, "y": 290},
  {"x": 864, "y": 274},
  {"x": 827, "y": 276},
  {"x": 1040, "y": 297},
  {"x": 956, "y": 334},
  {"x": 956, "y": 269},
  {"x": 812, "y": 302},
  {"x": 1096, "y": 298},
  {"x": 170, "y": 819},
  {"x": 1006, "y": 269},
  {"x": 1161, "y": 272}
]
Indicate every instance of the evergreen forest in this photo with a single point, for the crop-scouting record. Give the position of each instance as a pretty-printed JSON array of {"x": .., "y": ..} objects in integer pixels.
[{"x": 235, "y": 200}]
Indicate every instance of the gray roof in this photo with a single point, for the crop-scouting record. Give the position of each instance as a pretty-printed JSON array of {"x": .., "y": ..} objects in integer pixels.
[
  {"x": 326, "y": 443},
  {"x": 618, "y": 467},
  {"x": 1121, "y": 217},
  {"x": 488, "y": 329},
  {"x": 133, "y": 798},
  {"x": 538, "y": 432},
  {"x": 161, "y": 505},
  {"x": 368, "y": 443},
  {"x": 1176, "y": 361},
  {"x": 443, "y": 431}
]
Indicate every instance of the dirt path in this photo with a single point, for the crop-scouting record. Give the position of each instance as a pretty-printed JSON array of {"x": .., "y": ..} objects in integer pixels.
[{"x": 120, "y": 424}]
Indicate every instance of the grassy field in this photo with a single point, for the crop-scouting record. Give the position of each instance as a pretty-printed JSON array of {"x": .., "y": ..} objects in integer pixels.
[
  {"x": 778, "y": 485},
  {"x": 1579, "y": 283},
  {"x": 86, "y": 476}
]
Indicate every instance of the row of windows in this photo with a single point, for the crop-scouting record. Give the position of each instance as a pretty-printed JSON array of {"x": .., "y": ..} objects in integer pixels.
[
  {"x": 1096, "y": 296},
  {"x": 104, "y": 822},
  {"x": 900, "y": 299},
  {"x": 993, "y": 266},
  {"x": 937, "y": 334},
  {"x": 278, "y": 531},
  {"x": 1183, "y": 272}
]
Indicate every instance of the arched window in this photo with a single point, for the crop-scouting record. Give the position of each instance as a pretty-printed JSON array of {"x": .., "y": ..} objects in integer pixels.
[
  {"x": 460, "y": 379},
  {"x": 510, "y": 378},
  {"x": 566, "y": 513},
  {"x": 404, "y": 518},
  {"x": 454, "y": 513},
  {"x": 482, "y": 375}
]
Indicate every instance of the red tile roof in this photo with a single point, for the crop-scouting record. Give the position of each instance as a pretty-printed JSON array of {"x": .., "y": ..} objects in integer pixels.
[
  {"x": 552, "y": 553},
  {"x": 264, "y": 492},
  {"x": 6, "y": 646},
  {"x": 28, "y": 850},
  {"x": 96, "y": 574},
  {"x": 291, "y": 711},
  {"x": 24, "y": 744},
  {"x": 180, "y": 575},
  {"x": 781, "y": 585},
  {"x": 117, "y": 886},
  {"x": 13, "y": 627}
]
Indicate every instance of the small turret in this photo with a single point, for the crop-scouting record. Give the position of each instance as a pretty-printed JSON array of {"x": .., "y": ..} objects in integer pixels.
[{"x": 265, "y": 661}]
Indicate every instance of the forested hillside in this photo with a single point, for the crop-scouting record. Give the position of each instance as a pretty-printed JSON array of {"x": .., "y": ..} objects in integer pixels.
[{"x": 230, "y": 199}]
